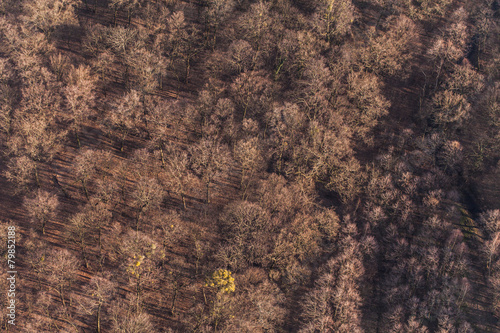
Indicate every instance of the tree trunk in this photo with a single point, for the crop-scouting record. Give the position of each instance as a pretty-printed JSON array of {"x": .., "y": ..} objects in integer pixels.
[
  {"x": 137, "y": 220},
  {"x": 62, "y": 295},
  {"x": 124, "y": 135},
  {"x": 172, "y": 308},
  {"x": 85, "y": 189},
  {"x": 99, "y": 319},
  {"x": 84, "y": 254},
  {"x": 188, "y": 67},
  {"x": 99, "y": 240},
  {"x": 78, "y": 139},
  {"x": 162, "y": 157},
  {"x": 183, "y": 200},
  {"x": 37, "y": 179}
]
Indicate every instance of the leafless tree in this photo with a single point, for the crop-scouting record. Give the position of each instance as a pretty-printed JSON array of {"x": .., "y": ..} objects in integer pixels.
[
  {"x": 126, "y": 114},
  {"x": 47, "y": 15},
  {"x": 85, "y": 167},
  {"x": 62, "y": 265},
  {"x": 491, "y": 248},
  {"x": 148, "y": 69},
  {"x": 21, "y": 171},
  {"x": 247, "y": 229},
  {"x": 449, "y": 108},
  {"x": 333, "y": 19},
  {"x": 80, "y": 96},
  {"x": 246, "y": 87},
  {"x": 42, "y": 208},
  {"x": 80, "y": 233},
  {"x": 147, "y": 195},
  {"x": 130, "y": 6},
  {"x": 210, "y": 160},
  {"x": 94, "y": 41},
  {"x": 140, "y": 256},
  {"x": 125, "y": 318},
  {"x": 216, "y": 12},
  {"x": 256, "y": 25},
  {"x": 99, "y": 291},
  {"x": 182, "y": 42},
  {"x": 388, "y": 51},
  {"x": 179, "y": 176},
  {"x": 365, "y": 94},
  {"x": 248, "y": 154}
]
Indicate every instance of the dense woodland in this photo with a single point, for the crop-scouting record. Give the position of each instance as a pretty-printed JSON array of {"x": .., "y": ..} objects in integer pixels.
[{"x": 251, "y": 166}]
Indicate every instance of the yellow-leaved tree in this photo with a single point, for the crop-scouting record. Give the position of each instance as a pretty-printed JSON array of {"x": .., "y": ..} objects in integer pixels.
[{"x": 222, "y": 281}]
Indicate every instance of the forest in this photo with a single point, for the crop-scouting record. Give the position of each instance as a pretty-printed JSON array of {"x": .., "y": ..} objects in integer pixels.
[{"x": 232, "y": 166}]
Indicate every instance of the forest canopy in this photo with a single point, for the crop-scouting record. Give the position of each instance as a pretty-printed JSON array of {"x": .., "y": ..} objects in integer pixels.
[{"x": 251, "y": 165}]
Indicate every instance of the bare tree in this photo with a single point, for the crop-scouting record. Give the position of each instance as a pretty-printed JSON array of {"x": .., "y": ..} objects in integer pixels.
[
  {"x": 449, "y": 108},
  {"x": 130, "y": 6},
  {"x": 80, "y": 233},
  {"x": 62, "y": 265},
  {"x": 248, "y": 154},
  {"x": 36, "y": 137},
  {"x": 286, "y": 124},
  {"x": 80, "y": 96},
  {"x": 179, "y": 176},
  {"x": 60, "y": 65},
  {"x": 490, "y": 249},
  {"x": 447, "y": 49},
  {"x": 334, "y": 305},
  {"x": 257, "y": 307},
  {"x": 99, "y": 291},
  {"x": 256, "y": 24},
  {"x": 8, "y": 95},
  {"x": 85, "y": 167},
  {"x": 248, "y": 231},
  {"x": 182, "y": 42},
  {"x": 140, "y": 256},
  {"x": 246, "y": 87},
  {"x": 100, "y": 217},
  {"x": 210, "y": 160},
  {"x": 147, "y": 195},
  {"x": 42, "y": 208},
  {"x": 48, "y": 15},
  {"x": 125, "y": 318},
  {"x": 148, "y": 69},
  {"x": 84, "y": 226},
  {"x": 94, "y": 41},
  {"x": 21, "y": 171},
  {"x": 122, "y": 40},
  {"x": 102, "y": 65},
  {"x": 215, "y": 13},
  {"x": 126, "y": 114},
  {"x": 240, "y": 57},
  {"x": 333, "y": 19},
  {"x": 364, "y": 92},
  {"x": 388, "y": 51}
]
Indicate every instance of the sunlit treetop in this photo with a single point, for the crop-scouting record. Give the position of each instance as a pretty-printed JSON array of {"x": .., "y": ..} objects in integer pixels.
[{"x": 222, "y": 280}]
